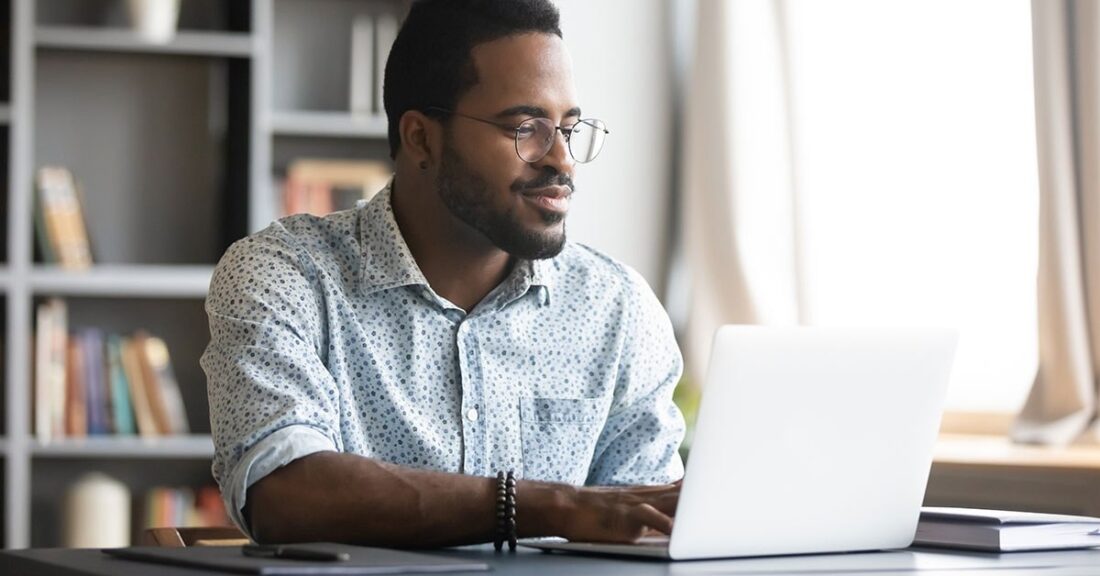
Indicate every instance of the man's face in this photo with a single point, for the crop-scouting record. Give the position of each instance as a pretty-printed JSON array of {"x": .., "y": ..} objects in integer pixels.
[{"x": 519, "y": 207}]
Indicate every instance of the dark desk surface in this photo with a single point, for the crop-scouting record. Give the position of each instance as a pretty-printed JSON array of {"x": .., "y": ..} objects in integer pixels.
[{"x": 73, "y": 562}]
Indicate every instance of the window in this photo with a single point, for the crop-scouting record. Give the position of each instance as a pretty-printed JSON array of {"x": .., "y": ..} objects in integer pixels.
[{"x": 915, "y": 141}]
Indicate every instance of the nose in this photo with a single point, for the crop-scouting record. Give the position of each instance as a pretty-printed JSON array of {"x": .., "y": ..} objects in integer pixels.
[{"x": 558, "y": 157}]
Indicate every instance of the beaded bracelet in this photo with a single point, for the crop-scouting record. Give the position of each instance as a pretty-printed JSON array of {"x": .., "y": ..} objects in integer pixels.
[{"x": 506, "y": 511}]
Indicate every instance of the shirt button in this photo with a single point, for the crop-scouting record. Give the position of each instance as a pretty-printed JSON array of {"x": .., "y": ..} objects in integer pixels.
[{"x": 471, "y": 414}]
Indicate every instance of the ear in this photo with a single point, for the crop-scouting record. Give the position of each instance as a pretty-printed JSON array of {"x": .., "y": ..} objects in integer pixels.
[{"x": 421, "y": 137}]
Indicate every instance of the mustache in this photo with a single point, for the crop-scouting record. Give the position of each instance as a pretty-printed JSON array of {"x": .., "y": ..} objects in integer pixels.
[{"x": 548, "y": 177}]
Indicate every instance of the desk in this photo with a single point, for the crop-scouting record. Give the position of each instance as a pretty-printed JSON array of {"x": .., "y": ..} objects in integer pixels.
[
  {"x": 986, "y": 471},
  {"x": 70, "y": 562}
]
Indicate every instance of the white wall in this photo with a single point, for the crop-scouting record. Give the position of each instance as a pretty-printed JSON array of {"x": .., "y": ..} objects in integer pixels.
[{"x": 622, "y": 66}]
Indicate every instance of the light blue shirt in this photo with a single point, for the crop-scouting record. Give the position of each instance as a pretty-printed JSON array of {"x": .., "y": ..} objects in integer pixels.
[{"x": 325, "y": 336}]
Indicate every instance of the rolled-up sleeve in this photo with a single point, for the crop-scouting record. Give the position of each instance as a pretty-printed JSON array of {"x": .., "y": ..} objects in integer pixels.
[
  {"x": 640, "y": 441},
  {"x": 272, "y": 399}
]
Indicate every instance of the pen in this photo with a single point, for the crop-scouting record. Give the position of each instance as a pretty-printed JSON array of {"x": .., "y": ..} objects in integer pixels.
[{"x": 293, "y": 553}]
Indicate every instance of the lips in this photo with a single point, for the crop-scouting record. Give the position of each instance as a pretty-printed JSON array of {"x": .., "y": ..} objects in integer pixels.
[{"x": 551, "y": 198}]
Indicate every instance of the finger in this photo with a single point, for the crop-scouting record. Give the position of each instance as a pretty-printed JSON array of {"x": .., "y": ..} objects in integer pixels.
[
  {"x": 666, "y": 503},
  {"x": 656, "y": 488},
  {"x": 648, "y": 516}
]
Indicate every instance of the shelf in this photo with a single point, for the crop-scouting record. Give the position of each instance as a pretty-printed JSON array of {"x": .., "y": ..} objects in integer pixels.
[
  {"x": 229, "y": 44},
  {"x": 122, "y": 280},
  {"x": 193, "y": 446},
  {"x": 328, "y": 124},
  {"x": 999, "y": 451}
]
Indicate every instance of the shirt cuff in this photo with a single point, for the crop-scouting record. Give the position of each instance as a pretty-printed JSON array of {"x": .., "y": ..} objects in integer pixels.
[{"x": 275, "y": 451}]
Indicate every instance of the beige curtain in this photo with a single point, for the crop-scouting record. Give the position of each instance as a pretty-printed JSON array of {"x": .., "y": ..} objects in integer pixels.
[
  {"x": 739, "y": 217},
  {"x": 1062, "y": 405}
]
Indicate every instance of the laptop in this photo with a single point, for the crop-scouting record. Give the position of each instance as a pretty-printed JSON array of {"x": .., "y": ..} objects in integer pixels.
[{"x": 808, "y": 440}]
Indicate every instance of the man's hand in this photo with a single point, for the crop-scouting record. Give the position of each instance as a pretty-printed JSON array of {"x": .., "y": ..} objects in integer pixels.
[
  {"x": 601, "y": 514},
  {"x": 337, "y": 497}
]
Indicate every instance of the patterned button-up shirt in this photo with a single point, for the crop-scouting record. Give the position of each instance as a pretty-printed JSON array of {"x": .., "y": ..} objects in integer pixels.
[{"x": 325, "y": 336}]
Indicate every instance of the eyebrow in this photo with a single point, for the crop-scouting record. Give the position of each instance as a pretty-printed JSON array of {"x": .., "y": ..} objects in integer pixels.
[{"x": 535, "y": 111}]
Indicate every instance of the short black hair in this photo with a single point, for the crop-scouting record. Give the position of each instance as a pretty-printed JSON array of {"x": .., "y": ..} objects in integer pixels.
[{"x": 430, "y": 62}]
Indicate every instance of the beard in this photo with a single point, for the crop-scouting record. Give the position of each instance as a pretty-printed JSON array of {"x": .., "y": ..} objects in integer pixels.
[{"x": 469, "y": 198}]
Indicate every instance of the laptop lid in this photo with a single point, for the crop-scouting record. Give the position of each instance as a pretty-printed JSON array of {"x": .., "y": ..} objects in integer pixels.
[{"x": 812, "y": 439}]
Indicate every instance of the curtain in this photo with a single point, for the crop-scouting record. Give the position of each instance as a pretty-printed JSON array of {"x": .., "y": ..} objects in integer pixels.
[
  {"x": 1062, "y": 405},
  {"x": 739, "y": 214}
]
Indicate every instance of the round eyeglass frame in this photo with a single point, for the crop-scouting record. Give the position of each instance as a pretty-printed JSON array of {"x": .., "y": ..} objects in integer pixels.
[{"x": 566, "y": 132}]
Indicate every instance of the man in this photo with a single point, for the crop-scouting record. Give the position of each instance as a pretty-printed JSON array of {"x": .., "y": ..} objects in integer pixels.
[{"x": 370, "y": 372}]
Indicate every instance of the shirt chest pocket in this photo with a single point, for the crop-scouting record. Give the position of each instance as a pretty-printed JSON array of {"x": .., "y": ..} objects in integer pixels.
[{"x": 559, "y": 436}]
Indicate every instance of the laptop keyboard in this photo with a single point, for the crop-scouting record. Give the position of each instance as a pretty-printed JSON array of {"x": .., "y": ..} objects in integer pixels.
[{"x": 653, "y": 541}]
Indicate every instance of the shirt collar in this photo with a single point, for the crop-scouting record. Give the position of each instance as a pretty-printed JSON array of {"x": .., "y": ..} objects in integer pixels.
[
  {"x": 387, "y": 262},
  {"x": 527, "y": 275}
]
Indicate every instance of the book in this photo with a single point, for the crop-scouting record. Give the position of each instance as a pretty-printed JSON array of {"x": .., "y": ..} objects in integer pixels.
[
  {"x": 123, "y": 414},
  {"x": 76, "y": 400},
  {"x": 320, "y": 186},
  {"x": 58, "y": 365},
  {"x": 45, "y": 248},
  {"x": 360, "y": 101},
  {"x": 153, "y": 393},
  {"x": 43, "y": 371},
  {"x": 65, "y": 238},
  {"x": 90, "y": 343},
  {"x": 210, "y": 507},
  {"x": 160, "y": 376},
  {"x": 385, "y": 32},
  {"x": 166, "y": 506},
  {"x": 301, "y": 196},
  {"x": 1004, "y": 531},
  {"x": 143, "y": 411}
]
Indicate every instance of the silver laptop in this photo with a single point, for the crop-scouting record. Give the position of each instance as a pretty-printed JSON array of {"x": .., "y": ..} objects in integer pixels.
[{"x": 809, "y": 440}]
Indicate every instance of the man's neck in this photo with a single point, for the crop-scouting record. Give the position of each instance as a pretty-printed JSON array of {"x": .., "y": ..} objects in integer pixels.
[{"x": 459, "y": 263}]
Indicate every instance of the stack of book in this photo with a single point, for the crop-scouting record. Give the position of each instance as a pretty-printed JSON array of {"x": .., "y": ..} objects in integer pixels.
[
  {"x": 59, "y": 220},
  {"x": 88, "y": 382},
  {"x": 182, "y": 506},
  {"x": 1004, "y": 530},
  {"x": 318, "y": 186}
]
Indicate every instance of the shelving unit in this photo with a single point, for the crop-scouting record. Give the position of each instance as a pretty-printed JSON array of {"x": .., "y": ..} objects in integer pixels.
[
  {"x": 178, "y": 148},
  {"x": 328, "y": 124},
  {"x": 122, "y": 280},
  {"x": 232, "y": 45},
  {"x": 194, "y": 446}
]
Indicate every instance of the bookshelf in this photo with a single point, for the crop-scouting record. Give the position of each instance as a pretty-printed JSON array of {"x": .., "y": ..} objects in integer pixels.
[
  {"x": 328, "y": 124},
  {"x": 238, "y": 45},
  {"x": 179, "y": 148},
  {"x": 198, "y": 446}
]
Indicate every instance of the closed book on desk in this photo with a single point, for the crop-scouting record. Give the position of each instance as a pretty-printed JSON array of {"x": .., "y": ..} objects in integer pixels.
[
  {"x": 1004, "y": 531},
  {"x": 361, "y": 560}
]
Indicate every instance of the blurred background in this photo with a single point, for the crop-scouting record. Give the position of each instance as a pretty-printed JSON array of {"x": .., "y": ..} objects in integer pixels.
[{"x": 823, "y": 162}]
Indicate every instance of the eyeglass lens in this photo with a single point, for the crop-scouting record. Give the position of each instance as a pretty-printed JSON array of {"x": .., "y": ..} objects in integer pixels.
[{"x": 535, "y": 138}]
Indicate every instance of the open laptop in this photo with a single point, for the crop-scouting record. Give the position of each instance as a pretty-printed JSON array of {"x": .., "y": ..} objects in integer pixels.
[{"x": 808, "y": 440}]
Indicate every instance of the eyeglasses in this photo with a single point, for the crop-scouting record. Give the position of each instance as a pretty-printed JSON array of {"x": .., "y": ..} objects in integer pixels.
[{"x": 535, "y": 136}]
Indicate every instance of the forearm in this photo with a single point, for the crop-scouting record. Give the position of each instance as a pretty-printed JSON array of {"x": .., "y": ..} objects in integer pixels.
[{"x": 331, "y": 496}]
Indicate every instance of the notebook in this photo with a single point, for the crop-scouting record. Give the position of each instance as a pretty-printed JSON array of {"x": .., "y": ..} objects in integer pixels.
[
  {"x": 362, "y": 560},
  {"x": 1005, "y": 531},
  {"x": 809, "y": 440}
]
